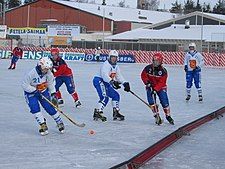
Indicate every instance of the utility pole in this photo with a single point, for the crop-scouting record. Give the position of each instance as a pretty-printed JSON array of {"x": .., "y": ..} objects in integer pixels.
[
  {"x": 103, "y": 25},
  {"x": 1, "y": 5},
  {"x": 103, "y": 29},
  {"x": 3, "y": 10},
  {"x": 202, "y": 30}
]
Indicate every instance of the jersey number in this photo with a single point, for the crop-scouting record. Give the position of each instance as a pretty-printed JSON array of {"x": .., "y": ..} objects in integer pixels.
[{"x": 36, "y": 80}]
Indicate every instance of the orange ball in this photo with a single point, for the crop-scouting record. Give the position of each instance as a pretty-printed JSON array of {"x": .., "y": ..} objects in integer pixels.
[{"x": 91, "y": 132}]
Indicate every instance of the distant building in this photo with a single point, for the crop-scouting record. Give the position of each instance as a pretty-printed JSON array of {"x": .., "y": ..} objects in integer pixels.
[
  {"x": 95, "y": 20},
  {"x": 90, "y": 16},
  {"x": 175, "y": 34}
]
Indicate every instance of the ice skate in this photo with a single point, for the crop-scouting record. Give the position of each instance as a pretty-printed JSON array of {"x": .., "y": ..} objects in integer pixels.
[
  {"x": 61, "y": 127},
  {"x": 200, "y": 98},
  {"x": 78, "y": 104},
  {"x": 99, "y": 115},
  {"x": 43, "y": 129},
  {"x": 158, "y": 119},
  {"x": 117, "y": 115},
  {"x": 188, "y": 97},
  {"x": 170, "y": 120}
]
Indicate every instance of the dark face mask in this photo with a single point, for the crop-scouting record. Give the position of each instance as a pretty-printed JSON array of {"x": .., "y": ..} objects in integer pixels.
[
  {"x": 156, "y": 63},
  {"x": 113, "y": 60}
]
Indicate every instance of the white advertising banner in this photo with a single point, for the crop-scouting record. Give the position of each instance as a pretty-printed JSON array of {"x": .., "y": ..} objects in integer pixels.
[
  {"x": 63, "y": 30},
  {"x": 3, "y": 31},
  {"x": 27, "y": 31}
]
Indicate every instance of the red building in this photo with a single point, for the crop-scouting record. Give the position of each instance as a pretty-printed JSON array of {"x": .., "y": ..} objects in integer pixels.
[
  {"x": 91, "y": 16},
  {"x": 32, "y": 15}
]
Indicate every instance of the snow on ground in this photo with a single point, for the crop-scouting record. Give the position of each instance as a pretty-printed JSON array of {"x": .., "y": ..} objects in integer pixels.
[
  {"x": 204, "y": 148},
  {"x": 114, "y": 142}
]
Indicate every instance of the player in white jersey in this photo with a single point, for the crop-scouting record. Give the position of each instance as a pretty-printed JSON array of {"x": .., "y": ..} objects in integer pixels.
[
  {"x": 193, "y": 64},
  {"x": 106, "y": 82},
  {"x": 40, "y": 81}
]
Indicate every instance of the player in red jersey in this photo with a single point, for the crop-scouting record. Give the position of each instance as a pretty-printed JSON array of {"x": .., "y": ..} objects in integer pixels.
[
  {"x": 63, "y": 74},
  {"x": 17, "y": 54},
  {"x": 154, "y": 76}
]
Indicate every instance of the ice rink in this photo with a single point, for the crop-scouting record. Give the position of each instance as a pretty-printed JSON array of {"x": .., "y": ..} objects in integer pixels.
[{"x": 114, "y": 141}]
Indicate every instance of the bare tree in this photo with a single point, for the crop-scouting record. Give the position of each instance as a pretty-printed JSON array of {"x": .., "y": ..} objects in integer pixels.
[
  {"x": 13, "y": 3},
  {"x": 153, "y": 4},
  {"x": 150, "y": 4}
]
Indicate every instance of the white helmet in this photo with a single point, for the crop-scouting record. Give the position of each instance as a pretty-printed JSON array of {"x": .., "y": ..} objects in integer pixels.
[
  {"x": 113, "y": 53},
  {"x": 45, "y": 63},
  {"x": 192, "y": 45}
]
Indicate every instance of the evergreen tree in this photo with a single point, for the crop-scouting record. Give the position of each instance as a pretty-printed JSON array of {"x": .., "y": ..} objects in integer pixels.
[
  {"x": 206, "y": 8},
  {"x": 219, "y": 8},
  {"x": 176, "y": 8},
  {"x": 13, "y": 3},
  {"x": 189, "y": 6},
  {"x": 28, "y": 1},
  {"x": 198, "y": 7}
]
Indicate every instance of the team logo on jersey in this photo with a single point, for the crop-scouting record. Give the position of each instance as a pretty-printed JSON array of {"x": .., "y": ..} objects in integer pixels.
[
  {"x": 149, "y": 71},
  {"x": 192, "y": 64},
  {"x": 160, "y": 73}
]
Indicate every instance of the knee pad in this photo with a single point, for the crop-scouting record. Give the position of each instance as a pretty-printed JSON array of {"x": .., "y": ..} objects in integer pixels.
[
  {"x": 197, "y": 85},
  {"x": 34, "y": 106},
  {"x": 163, "y": 99},
  {"x": 189, "y": 84},
  {"x": 116, "y": 96},
  {"x": 71, "y": 91},
  {"x": 104, "y": 100},
  {"x": 34, "y": 109},
  {"x": 51, "y": 111},
  {"x": 165, "y": 104}
]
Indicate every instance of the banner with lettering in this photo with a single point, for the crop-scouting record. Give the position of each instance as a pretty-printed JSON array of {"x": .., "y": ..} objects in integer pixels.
[
  {"x": 104, "y": 57},
  {"x": 27, "y": 31},
  {"x": 35, "y": 55}
]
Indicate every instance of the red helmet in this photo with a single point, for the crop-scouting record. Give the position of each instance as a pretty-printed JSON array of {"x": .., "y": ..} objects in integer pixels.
[
  {"x": 157, "y": 59},
  {"x": 54, "y": 51}
]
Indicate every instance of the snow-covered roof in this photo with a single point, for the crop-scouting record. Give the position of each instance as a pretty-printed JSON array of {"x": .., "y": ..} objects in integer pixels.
[
  {"x": 120, "y": 14},
  {"x": 218, "y": 16},
  {"x": 215, "y": 33}
]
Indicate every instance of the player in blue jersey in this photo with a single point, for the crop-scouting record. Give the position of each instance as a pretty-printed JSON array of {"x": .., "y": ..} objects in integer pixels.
[
  {"x": 193, "y": 64},
  {"x": 106, "y": 82},
  {"x": 40, "y": 81}
]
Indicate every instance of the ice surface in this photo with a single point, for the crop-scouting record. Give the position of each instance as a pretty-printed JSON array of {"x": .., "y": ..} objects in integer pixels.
[
  {"x": 114, "y": 142},
  {"x": 204, "y": 148}
]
